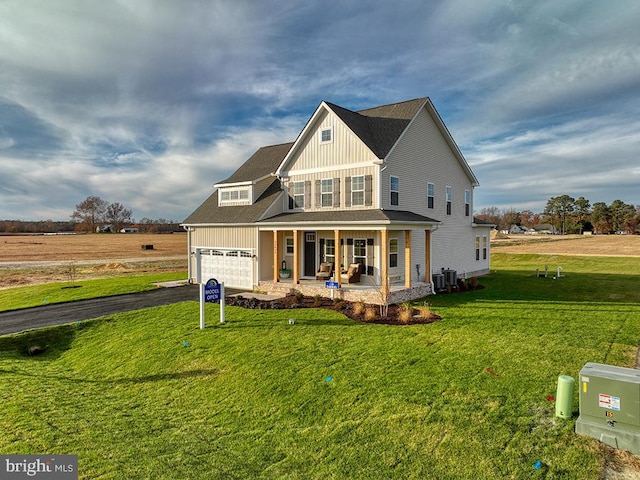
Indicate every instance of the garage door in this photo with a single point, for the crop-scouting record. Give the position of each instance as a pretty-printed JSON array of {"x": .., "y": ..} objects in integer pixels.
[{"x": 234, "y": 268}]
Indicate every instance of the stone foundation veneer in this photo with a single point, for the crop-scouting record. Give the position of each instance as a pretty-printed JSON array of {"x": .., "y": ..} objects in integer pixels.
[{"x": 370, "y": 295}]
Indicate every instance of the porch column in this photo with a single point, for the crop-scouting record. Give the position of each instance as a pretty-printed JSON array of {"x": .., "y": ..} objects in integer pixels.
[
  {"x": 275, "y": 256},
  {"x": 338, "y": 258},
  {"x": 384, "y": 263},
  {"x": 407, "y": 258},
  {"x": 427, "y": 256},
  {"x": 296, "y": 260}
]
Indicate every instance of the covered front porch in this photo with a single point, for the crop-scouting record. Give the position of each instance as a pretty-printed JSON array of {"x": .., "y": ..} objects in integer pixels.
[{"x": 393, "y": 261}]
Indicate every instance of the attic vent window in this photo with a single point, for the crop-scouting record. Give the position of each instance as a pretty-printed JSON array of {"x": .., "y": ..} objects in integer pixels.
[{"x": 326, "y": 135}]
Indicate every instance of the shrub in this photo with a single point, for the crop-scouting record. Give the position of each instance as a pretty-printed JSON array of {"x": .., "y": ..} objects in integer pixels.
[
  {"x": 317, "y": 300},
  {"x": 424, "y": 311},
  {"x": 299, "y": 296},
  {"x": 369, "y": 314},
  {"x": 405, "y": 313},
  {"x": 359, "y": 307}
]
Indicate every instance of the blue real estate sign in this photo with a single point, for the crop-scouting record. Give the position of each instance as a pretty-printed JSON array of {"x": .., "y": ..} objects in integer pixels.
[{"x": 212, "y": 291}]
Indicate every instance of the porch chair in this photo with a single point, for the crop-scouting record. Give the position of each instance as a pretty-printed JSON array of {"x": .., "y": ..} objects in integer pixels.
[
  {"x": 325, "y": 272},
  {"x": 353, "y": 274}
]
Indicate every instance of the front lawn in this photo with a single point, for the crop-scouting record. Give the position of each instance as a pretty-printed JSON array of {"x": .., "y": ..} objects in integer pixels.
[{"x": 148, "y": 394}]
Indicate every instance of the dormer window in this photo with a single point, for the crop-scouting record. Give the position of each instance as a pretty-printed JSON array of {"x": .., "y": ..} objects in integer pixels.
[
  {"x": 326, "y": 135},
  {"x": 234, "y": 196}
]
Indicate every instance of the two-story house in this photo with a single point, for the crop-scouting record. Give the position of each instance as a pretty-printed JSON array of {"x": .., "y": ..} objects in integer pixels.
[{"x": 384, "y": 188}]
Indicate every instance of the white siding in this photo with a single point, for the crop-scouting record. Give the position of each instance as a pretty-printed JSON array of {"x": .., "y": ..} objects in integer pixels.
[{"x": 423, "y": 156}]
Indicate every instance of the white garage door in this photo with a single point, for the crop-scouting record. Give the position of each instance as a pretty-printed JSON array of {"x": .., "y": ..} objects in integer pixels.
[{"x": 234, "y": 268}]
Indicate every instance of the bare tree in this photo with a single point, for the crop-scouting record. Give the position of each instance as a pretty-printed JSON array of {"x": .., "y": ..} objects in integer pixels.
[
  {"x": 90, "y": 213},
  {"x": 117, "y": 215}
]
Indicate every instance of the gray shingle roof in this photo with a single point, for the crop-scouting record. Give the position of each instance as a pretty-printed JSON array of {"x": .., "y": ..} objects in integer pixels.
[
  {"x": 210, "y": 212},
  {"x": 380, "y": 127},
  {"x": 264, "y": 162}
]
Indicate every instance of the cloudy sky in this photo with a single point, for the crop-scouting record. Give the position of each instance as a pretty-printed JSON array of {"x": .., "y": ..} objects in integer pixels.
[{"x": 149, "y": 103}]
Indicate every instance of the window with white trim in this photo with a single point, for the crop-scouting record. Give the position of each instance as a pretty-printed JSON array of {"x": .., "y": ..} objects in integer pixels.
[
  {"x": 485, "y": 245},
  {"x": 330, "y": 250},
  {"x": 393, "y": 252},
  {"x": 326, "y": 192},
  {"x": 467, "y": 203},
  {"x": 448, "y": 199},
  {"x": 477, "y": 247},
  {"x": 431, "y": 195},
  {"x": 298, "y": 194},
  {"x": 394, "y": 188},
  {"x": 237, "y": 194},
  {"x": 357, "y": 190},
  {"x": 326, "y": 135},
  {"x": 360, "y": 252},
  {"x": 288, "y": 245}
]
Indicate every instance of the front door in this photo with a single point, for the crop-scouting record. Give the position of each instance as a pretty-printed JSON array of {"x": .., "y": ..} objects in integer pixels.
[{"x": 309, "y": 254}]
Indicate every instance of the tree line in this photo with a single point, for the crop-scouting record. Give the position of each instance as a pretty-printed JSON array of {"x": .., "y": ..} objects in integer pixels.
[
  {"x": 88, "y": 216},
  {"x": 570, "y": 215}
]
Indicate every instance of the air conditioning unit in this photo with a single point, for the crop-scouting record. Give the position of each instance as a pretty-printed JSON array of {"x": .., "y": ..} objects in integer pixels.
[{"x": 610, "y": 405}]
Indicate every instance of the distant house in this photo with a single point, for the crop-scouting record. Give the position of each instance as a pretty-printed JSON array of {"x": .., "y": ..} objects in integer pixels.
[
  {"x": 129, "y": 230},
  {"x": 517, "y": 230},
  {"x": 104, "y": 229},
  {"x": 545, "y": 228},
  {"x": 383, "y": 191}
]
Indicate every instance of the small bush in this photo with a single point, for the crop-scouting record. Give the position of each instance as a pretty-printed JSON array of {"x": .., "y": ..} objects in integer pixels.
[
  {"x": 359, "y": 307},
  {"x": 405, "y": 313},
  {"x": 369, "y": 314},
  {"x": 424, "y": 311},
  {"x": 299, "y": 296},
  {"x": 317, "y": 300}
]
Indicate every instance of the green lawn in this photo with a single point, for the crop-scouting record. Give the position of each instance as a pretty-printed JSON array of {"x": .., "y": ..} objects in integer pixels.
[
  {"x": 32, "y": 296},
  {"x": 328, "y": 398}
]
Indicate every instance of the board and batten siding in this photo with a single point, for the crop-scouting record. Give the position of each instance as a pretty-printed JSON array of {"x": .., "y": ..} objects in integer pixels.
[
  {"x": 224, "y": 237},
  {"x": 345, "y": 147}
]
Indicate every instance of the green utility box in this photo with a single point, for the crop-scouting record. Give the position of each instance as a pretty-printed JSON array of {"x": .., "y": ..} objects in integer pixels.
[{"x": 610, "y": 405}]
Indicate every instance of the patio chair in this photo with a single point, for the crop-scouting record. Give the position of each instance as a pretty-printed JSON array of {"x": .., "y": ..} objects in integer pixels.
[
  {"x": 325, "y": 272},
  {"x": 353, "y": 274}
]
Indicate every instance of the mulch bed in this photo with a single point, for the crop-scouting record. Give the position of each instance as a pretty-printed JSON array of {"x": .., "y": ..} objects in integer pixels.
[{"x": 347, "y": 308}]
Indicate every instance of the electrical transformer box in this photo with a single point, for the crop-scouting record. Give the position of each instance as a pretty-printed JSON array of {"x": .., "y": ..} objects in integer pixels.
[{"x": 610, "y": 405}]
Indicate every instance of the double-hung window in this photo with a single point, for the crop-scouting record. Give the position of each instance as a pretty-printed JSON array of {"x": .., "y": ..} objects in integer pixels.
[
  {"x": 448, "y": 200},
  {"x": 330, "y": 250},
  {"x": 298, "y": 194},
  {"x": 467, "y": 203},
  {"x": 360, "y": 251},
  {"x": 431, "y": 195},
  {"x": 393, "y": 252},
  {"x": 484, "y": 247},
  {"x": 357, "y": 190},
  {"x": 326, "y": 192},
  {"x": 394, "y": 188},
  {"x": 478, "y": 247}
]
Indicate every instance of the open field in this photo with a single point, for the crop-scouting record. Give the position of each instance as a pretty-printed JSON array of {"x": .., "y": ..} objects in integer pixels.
[
  {"x": 586, "y": 245},
  {"x": 35, "y": 259},
  {"x": 41, "y": 248},
  {"x": 147, "y": 394}
]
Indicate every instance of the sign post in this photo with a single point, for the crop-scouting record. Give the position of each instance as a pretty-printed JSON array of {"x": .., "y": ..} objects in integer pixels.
[
  {"x": 332, "y": 285},
  {"x": 211, "y": 292}
]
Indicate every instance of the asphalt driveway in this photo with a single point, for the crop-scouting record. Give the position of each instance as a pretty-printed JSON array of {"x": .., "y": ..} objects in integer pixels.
[{"x": 60, "y": 313}]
